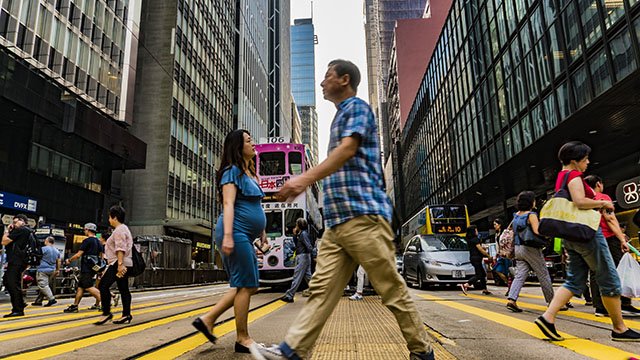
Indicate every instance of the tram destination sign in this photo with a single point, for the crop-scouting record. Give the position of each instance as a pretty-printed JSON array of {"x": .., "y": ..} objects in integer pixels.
[
  {"x": 628, "y": 193},
  {"x": 17, "y": 202}
]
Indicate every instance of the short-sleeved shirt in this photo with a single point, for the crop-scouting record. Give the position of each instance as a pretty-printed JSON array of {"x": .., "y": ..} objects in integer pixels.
[
  {"x": 588, "y": 191},
  {"x": 474, "y": 253},
  {"x": 89, "y": 246},
  {"x": 248, "y": 216},
  {"x": 606, "y": 230},
  {"x": 357, "y": 188},
  {"x": 50, "y": 256},
  {"x": 20, "y": 236},
  {"x": 120, "y": 240}
]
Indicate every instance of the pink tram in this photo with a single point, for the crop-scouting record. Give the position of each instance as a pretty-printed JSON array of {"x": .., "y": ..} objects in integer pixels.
[{"x": 276, "y": 162}]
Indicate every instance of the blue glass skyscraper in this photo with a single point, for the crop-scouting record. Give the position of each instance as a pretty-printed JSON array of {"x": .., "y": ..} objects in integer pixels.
[{"x": 303, "y": 82}]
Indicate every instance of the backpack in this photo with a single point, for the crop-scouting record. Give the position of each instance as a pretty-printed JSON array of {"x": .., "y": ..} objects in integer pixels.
[
  {"x": 138, "y": 262},
  {"x": 505, "y": 243},
  {"x": 32, "y": 252}
]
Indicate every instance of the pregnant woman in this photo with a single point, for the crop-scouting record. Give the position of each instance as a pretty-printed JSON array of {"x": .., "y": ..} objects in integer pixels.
[{"x": 241, "y": 221}]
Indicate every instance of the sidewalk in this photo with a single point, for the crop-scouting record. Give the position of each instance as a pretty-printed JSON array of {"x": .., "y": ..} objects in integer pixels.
[{"x": 359, "y": 330}]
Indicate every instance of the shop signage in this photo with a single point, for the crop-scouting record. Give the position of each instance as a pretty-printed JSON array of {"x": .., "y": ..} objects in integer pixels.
[
  {"x": 17, "y": 202},
  {"x": 203, "y": 245},
  {"x": 628, "y": 193}
]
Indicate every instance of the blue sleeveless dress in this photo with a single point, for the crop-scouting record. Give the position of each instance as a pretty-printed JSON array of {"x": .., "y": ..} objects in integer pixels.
[{"x": 249, "y": 221}]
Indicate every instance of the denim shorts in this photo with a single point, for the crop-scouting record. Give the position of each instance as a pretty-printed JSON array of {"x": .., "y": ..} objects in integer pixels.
[{"x": 594, "y": 255}]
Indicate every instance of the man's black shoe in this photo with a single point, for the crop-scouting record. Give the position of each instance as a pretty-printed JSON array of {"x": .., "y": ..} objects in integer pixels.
[
  {"x": 601, "y": 313},
  {"x": 14, "y": 314},
  {"x": 630, "y": 311},
  {"x": 37, "y": 303},
  {"x": 422, "y": 356},
  {"x": 71, "y": 309},
  {"x": 286, "y": 299},
  {"x": 548, "y": 329},
  {"x": 50, "y": 302},
  {"x": 628, "y": 335}
]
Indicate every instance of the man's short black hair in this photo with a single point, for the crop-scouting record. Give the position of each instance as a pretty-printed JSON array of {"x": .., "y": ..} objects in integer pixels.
[
  {"x": 573, "y": 150},
  {"x": 593, "y": 180},
  {"x": 346, "y": 67},
  {"x": 117, "y": 212},
  {"x": 22, "y": 217}
]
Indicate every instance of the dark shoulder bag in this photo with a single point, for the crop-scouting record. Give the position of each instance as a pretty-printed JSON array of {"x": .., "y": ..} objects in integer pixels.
[
  {"x": 138, "y": 262},
  {"x": 530, "y": 238}
]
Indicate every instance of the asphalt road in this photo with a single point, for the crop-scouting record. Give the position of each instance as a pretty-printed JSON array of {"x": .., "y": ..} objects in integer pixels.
[{"x": 468, "y": 327}]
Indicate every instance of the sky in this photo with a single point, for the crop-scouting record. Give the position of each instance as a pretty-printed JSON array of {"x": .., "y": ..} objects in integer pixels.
[{"x": 339, "y": 26}]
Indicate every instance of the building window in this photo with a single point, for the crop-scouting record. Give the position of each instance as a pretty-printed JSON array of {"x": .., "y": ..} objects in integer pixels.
[
  {"x": 590, "y": 21},
  {"x": 600, "y": 72},
  {"x": 562, "y": 93},
  {"x": 613, "y": 11},
  {"x": 580, "y": 87},
  {"x": 622, "y": 55}
]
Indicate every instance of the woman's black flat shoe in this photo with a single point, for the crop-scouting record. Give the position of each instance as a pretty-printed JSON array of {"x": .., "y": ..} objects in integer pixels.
[
  {"x": 242, "y": 349},
  {"x": 124, "y": 320},
  {"x": 104, "y": 321},
  {"x": 202, "y": 327}
]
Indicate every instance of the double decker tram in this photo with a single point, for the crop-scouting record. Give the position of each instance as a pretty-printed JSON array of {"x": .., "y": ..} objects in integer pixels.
[{"x": 278, "y": 160}]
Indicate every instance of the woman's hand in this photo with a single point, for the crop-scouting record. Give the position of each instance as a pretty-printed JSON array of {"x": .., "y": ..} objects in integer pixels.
[
  {"x": 122, "y": 270},
  {"x": 227, "y": 245}
]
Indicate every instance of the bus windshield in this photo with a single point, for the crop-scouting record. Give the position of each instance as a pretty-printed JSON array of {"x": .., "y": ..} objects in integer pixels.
[
  {"x": 272, "y": 163},
  {"x": 447, "y": 212}
]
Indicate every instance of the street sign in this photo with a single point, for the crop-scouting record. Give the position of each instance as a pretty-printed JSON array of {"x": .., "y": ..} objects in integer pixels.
[
  {"x": 17, "y": 202},
  {"x": 628, "y": 193}
]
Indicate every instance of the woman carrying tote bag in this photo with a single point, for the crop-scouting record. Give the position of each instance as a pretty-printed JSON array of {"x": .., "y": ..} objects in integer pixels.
[{"x": 584, "y": 254}]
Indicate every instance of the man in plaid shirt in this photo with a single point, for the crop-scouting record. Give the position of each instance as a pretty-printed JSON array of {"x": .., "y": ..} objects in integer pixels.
[{"x": 358, "y": 215}]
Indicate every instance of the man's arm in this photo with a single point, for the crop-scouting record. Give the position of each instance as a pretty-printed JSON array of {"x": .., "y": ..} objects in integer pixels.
[
  {"x": 6, "y": 240},
  {"x": 614, "y": 225},
  {"x": 76, "y": 256},
  {"x": 337, "y": 158}
]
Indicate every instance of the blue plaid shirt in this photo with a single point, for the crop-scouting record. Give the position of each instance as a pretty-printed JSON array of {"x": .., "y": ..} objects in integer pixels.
[{"x": 358, "y": 187}]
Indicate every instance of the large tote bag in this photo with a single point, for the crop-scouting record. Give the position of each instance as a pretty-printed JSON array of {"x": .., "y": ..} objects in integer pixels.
[{"x": 560, "y": 217}]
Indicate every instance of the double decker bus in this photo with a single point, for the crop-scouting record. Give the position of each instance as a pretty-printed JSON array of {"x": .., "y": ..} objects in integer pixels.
[
  {"x": 437, "y": 220},
  {"x": 278, "y": 160}
]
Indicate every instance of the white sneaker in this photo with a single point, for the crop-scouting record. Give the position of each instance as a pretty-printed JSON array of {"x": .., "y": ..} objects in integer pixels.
[
  {"x": 260, "y": 352},
  {"x": 356, "y": 297}
]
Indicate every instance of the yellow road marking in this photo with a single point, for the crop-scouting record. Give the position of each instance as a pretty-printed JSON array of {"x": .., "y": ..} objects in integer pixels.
[
  {"x": 43, "y": 311},
  {"x": 174, "y": 350},
  {"x": 49, "y": 329},
  {"x": 581, "y": 346},
  {"x": 573, "y": 300},
  {"x": 577, "y": 314},
  {"x": 71, "y": 316}
]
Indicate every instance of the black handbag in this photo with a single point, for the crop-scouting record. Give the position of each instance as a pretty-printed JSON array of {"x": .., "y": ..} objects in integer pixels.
[
  {"x": 529, "y": 238},
  {"x": 138, "y": 262}
]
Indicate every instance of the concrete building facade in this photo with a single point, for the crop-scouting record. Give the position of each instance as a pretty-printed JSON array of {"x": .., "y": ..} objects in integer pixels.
[
  {"x": 184, "y": 109},
  {"x": 279, "y": 68}
]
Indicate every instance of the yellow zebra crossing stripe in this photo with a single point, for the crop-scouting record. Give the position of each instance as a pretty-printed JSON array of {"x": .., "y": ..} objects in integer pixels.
[{"x": 581, "y": 346}]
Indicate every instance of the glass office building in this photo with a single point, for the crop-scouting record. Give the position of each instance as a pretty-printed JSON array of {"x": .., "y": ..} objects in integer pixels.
[
  {"x": 67, "y": 71},
  {"x": 303, "y": 80},
  {"x": 508, "y": 83},
  {"x": 251, "y": 65}
]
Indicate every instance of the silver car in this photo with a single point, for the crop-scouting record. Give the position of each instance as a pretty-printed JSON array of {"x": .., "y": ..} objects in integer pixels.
[{"x": 436, "y": 259}]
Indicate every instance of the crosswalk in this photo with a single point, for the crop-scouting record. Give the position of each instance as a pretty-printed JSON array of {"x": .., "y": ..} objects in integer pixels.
[{"x": 462, "y": 326}]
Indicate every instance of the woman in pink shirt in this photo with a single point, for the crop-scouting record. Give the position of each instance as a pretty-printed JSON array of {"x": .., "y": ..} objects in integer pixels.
[{"x": 118, "y": 252}]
